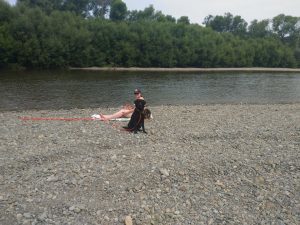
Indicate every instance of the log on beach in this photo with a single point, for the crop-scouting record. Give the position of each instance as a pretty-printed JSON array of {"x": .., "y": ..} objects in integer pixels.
[{"x": 236, "y": 164}]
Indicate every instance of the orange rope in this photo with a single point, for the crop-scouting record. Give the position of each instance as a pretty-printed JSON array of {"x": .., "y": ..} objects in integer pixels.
[
  {"x": 55, "y": 119},
  {"x": 115, "y": 126}
]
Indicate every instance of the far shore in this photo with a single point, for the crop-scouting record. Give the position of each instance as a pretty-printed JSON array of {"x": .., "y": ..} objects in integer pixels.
[{"x": 152, "y": 69}]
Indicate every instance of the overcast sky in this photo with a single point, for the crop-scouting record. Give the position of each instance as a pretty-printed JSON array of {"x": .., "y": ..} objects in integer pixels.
[{"x": 197, "y": 10}]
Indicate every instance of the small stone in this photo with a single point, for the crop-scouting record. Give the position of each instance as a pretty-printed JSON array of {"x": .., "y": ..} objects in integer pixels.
[
  {"x": 29, "y": 200},
  {"x": 167, "y": 181},
  {"x": 188, "y": 203},
  {"x": 210, "y": 221},
  {"x": 19, "y": 216},
  {"x": 219, "y": 183},
  {"x": 259, "y": 180},
  {"x": 183, "y": 188},
  {"x": 139, "y": 187},
  {"x": 128, "y": 220},
  {"x": 26, "y": 222},
  {"x": 27, "y": 215},
  {"x": 77, "y": 210},
  {"x": 52, "y": 178},
  {"x": 164, "y": 172},
  {"x": 114, "y": 157},
  {"x": 49, "y": 196},
  {"x": 142, "y": 196},
  {"x": 98, "y": 213},
  {"x": 106, "y": 218},
  {"x": 181, "y": 173},
  {"x": 43, "y": 216},
  {"x": 176, "y": 212},
  {"x": 81, "y": 206},
  {"x": 74, "y": 182},
  {"x": 260, "y": 198}
]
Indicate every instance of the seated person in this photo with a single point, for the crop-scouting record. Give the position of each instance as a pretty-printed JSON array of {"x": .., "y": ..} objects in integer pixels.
[
  {"x": 138, "y": 116},
  {"x": 128, "y": 109}
]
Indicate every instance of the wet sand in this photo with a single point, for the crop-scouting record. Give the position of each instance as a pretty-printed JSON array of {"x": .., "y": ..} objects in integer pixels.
[{"x": 203, "y": 164}]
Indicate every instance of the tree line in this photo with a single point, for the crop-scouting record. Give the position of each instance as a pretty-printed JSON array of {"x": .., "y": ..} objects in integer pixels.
[{"x": 83, "y": 33}]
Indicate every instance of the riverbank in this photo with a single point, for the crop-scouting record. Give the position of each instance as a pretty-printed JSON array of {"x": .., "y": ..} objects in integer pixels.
[
  {"x": 151, "y": 69},
  {"x": 204, "y": 164}
]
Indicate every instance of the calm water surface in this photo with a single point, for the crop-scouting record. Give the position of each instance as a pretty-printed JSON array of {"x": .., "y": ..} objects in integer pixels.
[{"x": 77, "y": 89}]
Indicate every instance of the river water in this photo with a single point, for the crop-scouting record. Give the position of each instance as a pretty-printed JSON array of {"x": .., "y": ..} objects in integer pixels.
[{"x": 81, "y": 89}]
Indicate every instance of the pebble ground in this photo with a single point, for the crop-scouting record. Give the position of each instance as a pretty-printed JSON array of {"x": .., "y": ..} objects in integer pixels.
[{"x": 204, "y": 164}]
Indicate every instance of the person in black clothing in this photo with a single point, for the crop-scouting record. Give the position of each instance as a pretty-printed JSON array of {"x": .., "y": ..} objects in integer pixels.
[{"x": 137, "y": 118}]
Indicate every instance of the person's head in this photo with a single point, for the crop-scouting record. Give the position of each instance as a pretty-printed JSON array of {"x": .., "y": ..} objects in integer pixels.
[{"x": 137, "y": 93}]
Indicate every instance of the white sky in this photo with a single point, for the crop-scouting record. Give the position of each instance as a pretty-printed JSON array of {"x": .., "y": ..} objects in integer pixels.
[{"x": 197, "y": 10}]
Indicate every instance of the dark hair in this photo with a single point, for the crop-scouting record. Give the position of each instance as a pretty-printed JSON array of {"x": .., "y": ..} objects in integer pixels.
[{"x": 137, "y": 91}]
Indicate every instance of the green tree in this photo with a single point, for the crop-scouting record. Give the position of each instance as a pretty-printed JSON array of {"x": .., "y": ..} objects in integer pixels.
[
  {"x": 99, "y": 8},
  {"x": 79, "y": 7},
  {"x": 184, "y": 20},
  {"x": 259, "y": 28},
  {"x": 227, "y": 23},
  {"x": 72, "y": 34},
  {"x": 118, "y": 10},
  {"x": 6, "y": 40},
  {"x": 85, "y": 8},
  {"x": 148, "y": 14},
  {"x": 6, "y": 12},
  {"x": 287, "y": 28},
  {"x": 284, "y": 26},
  {"x": 58, "y": 40},
  {"x": 46, "y": 5},
  {"x": 239, "y": 26}
]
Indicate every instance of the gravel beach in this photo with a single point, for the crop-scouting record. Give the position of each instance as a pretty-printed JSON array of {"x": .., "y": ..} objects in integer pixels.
[{"x": 204, "y": 164}]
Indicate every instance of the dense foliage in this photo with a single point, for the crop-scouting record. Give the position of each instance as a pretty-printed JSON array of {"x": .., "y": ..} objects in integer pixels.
[{"x": 82, "y": 33}]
